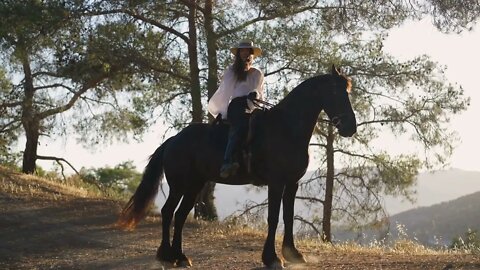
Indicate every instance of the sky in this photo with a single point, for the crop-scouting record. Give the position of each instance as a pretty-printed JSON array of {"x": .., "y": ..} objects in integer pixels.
[{"x": 459, "y": 52}]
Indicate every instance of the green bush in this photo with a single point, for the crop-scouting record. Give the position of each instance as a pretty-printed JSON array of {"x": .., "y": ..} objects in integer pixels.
[
  {"x": 123, "y": 177},
  {"x": 469, "y": 242}
]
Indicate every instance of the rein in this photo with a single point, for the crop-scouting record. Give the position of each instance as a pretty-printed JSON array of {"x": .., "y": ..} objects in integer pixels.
[{"x": 262, "y": 104}]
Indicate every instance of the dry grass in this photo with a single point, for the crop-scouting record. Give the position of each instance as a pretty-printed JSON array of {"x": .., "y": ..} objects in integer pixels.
[
  {"x": 40, "y": 233},
  {"x": 225, "y": 230},
  {"x": 20, "y": 184}
]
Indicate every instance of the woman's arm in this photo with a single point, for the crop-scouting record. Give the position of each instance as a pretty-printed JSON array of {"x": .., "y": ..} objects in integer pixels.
[
  {"x": 218, "y": 103},
  {"x": 259, "y": 84}
]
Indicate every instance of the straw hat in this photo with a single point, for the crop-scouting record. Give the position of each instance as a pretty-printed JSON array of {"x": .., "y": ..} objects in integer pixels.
[{"x": 246, "y": 43}]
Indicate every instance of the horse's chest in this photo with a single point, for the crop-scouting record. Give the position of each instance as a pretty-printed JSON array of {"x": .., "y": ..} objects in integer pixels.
[{"x": 289, "y": 159}]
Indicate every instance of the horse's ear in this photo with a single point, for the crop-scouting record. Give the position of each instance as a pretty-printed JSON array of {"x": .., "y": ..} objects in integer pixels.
[{"x": 335, "y": 70}]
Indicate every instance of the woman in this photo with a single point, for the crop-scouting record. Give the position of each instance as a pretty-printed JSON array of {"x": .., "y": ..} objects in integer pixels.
[{"x": 240, "y": 84}]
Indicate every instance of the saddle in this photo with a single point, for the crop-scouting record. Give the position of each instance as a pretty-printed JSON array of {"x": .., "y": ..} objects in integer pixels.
[
  {"x": 255, "y": 129},
  {"x": 255, "y": 124}
]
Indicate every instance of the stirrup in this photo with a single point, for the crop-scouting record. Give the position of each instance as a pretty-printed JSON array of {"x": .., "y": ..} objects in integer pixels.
[{"x": 229, "y": 169}]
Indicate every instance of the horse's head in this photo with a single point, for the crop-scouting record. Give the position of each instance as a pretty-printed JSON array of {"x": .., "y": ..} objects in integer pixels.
[{"x": 337, "y": 104}]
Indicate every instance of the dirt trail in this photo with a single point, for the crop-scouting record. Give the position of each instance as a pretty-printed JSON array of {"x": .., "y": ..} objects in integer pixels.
[{"x": 45, "y": 226}]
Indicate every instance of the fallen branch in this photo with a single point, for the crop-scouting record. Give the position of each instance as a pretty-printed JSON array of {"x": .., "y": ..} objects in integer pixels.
[
  {"x": 59, "y": 160},
  {"x": 248, "y": 209},
  {"x": 310, "y": 224}
]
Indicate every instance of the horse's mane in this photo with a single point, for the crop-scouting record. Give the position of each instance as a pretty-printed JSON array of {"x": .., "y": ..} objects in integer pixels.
[
  {"x": 311, "y": 84},
  {"x": 300, "y": 90}
]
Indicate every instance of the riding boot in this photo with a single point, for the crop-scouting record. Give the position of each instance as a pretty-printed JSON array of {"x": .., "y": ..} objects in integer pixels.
[{"x": 229, "y": 166}]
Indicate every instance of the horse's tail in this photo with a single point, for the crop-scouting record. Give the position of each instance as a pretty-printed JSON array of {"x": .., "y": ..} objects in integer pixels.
[{"x": 137, "y": 207}]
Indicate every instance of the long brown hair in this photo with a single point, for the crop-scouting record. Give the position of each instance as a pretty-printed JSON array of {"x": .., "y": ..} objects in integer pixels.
[{"x": 239, "y": 67}]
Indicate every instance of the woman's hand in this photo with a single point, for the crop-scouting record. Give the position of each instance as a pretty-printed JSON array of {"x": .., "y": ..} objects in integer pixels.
[{"x": 252, "y": 95}]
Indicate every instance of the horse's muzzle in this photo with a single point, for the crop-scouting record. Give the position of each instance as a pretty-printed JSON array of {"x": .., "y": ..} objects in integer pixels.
[{"x": 346, "y": 125}]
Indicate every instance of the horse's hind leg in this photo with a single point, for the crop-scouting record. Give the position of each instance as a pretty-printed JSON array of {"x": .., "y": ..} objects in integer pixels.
[
  {"x": 181, "y": 214},
  {"x": 289, "y": 251},
  {"x": 164, "y": 252}
]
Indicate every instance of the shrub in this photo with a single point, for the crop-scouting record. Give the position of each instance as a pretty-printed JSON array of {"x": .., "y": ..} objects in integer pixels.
[{"x": 470, "y": 242}]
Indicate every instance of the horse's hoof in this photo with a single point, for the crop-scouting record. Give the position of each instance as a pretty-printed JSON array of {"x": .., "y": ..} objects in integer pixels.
[
  {"x": 293, "y": 255},
  {"x": 277, "y": 264},
  {"x": 273, "y": 263},
  {"x": 164, "y": 254},
  {"x": 183, "y": 261}
]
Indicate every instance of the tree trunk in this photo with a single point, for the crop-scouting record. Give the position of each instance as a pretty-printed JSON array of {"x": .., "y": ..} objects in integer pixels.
[
  {"x": 197, "y": 110},
  {"x": 212, "y": 79},
  {"x": 205, "y": 205},
  {"x": 30, "y": 152},
  {"x": 30, "y": 123},
  {"x": 205, "y": 202},
  {"x": 327, "y": 205}
]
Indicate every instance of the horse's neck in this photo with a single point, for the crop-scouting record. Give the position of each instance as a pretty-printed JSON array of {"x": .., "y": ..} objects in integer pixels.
[{"x": 299, "y": 112}]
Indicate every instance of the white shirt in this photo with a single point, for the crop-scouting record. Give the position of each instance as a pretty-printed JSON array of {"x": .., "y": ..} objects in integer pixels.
[{"x": 230, "y": 88}]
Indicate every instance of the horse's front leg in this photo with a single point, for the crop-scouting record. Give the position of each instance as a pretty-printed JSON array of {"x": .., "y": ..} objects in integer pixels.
[
  {"x": 180, "y": 216},
  {"x": 164, "y": 252},
  {"x": 269, "y": 256},
  {"x": 289, "y": 251}
]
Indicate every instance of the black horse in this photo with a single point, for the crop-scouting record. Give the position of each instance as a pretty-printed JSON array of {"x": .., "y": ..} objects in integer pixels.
[{"x": 279, "y": 159}]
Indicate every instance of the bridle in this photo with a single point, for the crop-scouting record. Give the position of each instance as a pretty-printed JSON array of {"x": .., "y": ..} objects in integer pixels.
[{"x": 337, "y": 120}]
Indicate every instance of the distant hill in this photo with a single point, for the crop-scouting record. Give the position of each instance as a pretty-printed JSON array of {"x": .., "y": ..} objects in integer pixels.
[
  {"x": 440, "y": 223},
  {"x": 454, "y": 197},
  {"x": 436, "y": 187},
  {"x": 432, "y": 188},
  {"x": 447, "y": 205}
]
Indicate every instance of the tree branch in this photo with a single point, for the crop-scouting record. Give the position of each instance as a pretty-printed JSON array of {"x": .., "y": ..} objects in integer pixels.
[
  {"x": 310, "y": 199},
  {"x": 88, "y": 85},
  {"x": 54, "y": 86},
  {"x": 141, "y": 17},
  {"x": 47, "y": 73},
  {"x": 59, "y": 160},
  {"x": 250, "y": 208},
  {"x": 309, "y": 223},
  {"x": 10, "y": 105},
  {"x": 268, "y": 18},
  {"x": 4, "y": 128}
]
